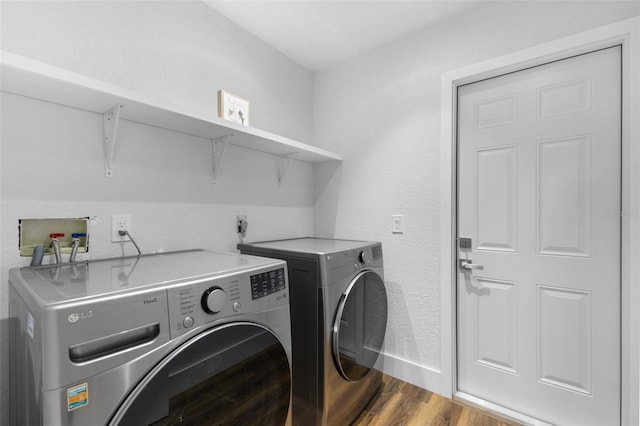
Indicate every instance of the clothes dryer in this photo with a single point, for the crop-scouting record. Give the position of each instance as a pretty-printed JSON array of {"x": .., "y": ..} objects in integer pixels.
[
  {"x": 192, "y": 337},
  {"x": 339, "y": 316}
]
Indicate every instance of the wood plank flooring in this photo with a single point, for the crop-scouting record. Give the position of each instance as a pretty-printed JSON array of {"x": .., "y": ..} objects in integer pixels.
[{"x": 400, "y": 403}]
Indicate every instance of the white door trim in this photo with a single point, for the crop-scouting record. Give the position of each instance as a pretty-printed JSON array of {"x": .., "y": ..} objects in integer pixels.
[{"x": 627, "y": 34}]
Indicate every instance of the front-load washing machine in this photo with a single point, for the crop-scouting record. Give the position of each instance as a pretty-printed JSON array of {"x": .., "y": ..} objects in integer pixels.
[
  {"x": 190, "y": 338},
  {"x": 339, "y": 316}
]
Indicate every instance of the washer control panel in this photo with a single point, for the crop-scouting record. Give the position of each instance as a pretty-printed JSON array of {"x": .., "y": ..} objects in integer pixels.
[
  {"x": 203, "y": 301},
  {"x": 267, "y": 283}
]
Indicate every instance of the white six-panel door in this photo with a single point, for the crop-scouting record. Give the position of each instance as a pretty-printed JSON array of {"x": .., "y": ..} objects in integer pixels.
[{"x": 539, "y": 190}]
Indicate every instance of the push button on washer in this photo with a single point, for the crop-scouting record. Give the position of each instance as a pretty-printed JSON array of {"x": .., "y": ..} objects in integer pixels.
[{"x": 187, "y": 322}]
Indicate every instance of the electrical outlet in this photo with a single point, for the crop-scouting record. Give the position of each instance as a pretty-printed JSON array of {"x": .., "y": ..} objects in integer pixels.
[
  {"x": 241, "y": 218},
  {"x": 120, "y": 222}
]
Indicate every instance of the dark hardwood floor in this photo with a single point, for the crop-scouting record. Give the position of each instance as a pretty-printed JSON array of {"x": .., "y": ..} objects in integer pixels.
[{"x": 401, "y": 403}]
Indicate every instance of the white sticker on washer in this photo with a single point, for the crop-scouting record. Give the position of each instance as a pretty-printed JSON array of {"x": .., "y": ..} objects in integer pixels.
[
  {"x": 30, "y": 324},
  {"x": 77, "y": 396}
]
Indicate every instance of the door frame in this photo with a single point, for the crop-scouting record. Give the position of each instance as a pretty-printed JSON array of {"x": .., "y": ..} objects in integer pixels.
[{"x": 627, "y": 34}]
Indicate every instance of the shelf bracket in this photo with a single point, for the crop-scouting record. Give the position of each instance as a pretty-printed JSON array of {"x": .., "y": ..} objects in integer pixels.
[
  {"x": 284, "y": 161},
  {"x": 110, "y": 120},
  {"x": 218, "y": 145}
]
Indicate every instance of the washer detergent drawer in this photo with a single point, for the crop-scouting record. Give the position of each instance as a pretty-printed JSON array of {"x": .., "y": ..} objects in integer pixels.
[
  {"x": 113, "y": 343},
  {"x": 81, "y": 340}
]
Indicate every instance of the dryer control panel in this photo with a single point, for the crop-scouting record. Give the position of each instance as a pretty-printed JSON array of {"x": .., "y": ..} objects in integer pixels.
[{"x": 205, "y": 301}]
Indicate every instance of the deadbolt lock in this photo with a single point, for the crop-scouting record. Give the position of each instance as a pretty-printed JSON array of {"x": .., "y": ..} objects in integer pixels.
[{"x": 464, "y": 243}]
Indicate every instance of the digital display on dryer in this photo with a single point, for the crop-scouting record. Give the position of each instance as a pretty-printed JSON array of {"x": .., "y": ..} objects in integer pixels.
[{"x": 267, "y": 283}]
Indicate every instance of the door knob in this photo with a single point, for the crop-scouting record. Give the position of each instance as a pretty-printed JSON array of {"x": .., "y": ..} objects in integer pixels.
[{"x": 468, "y": 265}]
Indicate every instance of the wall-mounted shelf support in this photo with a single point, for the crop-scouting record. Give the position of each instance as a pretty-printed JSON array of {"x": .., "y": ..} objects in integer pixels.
[
  {"x": 219, "y": 145},
  {"x": 110, "y": 120},
  {"x": 284, "y": 161}
]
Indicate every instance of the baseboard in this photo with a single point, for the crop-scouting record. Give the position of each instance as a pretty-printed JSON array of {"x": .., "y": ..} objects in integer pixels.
[
  {"x": 499, "y": 410},
  {"x": 410, "y": 372}
]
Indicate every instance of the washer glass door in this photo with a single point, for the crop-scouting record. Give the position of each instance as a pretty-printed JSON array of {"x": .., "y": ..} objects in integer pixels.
[
  {"x": 236, "y": 374},
  {"x": 360, "y": 324}
]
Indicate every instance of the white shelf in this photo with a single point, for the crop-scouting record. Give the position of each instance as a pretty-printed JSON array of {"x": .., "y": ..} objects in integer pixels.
[{"x": 26, "y": 77}]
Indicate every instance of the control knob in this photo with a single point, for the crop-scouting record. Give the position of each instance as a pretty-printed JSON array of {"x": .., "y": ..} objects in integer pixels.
[
  {"x": 363, "y": 257},
  {"x": 213, "y": 300}
]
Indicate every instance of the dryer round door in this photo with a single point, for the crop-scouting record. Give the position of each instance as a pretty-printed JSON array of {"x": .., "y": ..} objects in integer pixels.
[
  {"x": 236, "y": 374},
  {"x": 359, "y": 325}
]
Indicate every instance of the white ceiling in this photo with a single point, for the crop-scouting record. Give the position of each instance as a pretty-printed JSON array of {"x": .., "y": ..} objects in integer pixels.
[{"x": 318, "y": 34}]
